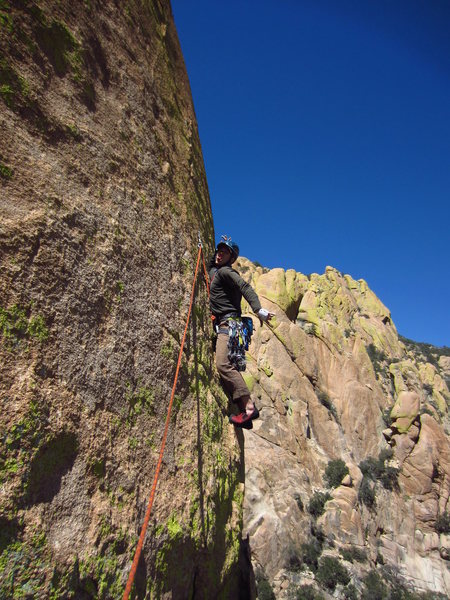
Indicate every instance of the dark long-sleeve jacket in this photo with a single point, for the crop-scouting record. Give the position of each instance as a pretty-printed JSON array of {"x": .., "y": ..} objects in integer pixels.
[{"x": 226, "y": 291}]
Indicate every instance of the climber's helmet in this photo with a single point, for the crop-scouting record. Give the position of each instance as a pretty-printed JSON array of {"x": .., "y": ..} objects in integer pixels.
[{"x": 232, "y": 247}]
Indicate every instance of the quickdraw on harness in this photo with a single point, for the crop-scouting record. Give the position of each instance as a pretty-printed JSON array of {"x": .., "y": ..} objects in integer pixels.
[{"x": 240, "y": 332}]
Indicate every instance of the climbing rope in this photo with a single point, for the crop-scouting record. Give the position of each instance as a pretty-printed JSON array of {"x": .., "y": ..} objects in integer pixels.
[{"x": 140, "y": 544}]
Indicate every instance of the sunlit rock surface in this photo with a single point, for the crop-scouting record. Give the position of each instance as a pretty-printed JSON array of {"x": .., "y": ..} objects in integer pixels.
[{"x": 335, "y": 381}]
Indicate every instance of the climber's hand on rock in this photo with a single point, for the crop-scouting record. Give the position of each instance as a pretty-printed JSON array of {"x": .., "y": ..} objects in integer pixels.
[{"x": 264, "y": 315}]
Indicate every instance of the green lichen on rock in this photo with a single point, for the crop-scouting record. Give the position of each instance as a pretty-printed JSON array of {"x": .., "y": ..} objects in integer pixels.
[
  {"x": 5, "y": 171},
  {"x": 100, "y": 576},
  {"x": 249, "y": 380},
  {"x": 16, "y": 326},
  {"x": 140, "y": 400},
  {"x": 24, "y": 563},
  {"x": 14, "y": 89},
  {"x": 22, "y": 441},
  {"x": 283, "y": 288},
  {"x": 97, "y": 575}
]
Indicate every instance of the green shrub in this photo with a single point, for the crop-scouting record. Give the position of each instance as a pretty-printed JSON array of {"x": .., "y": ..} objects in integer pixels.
[
  {"x": 317, "y": 503},
  {"x": 374, "y": 588},
  {"x": 389, "y": 478},
  {"x": 310, "y": 553},
  {"x": 375, "y": 469},
  {"x": 13, "y": 322},
  {"x": 317, "y": 532},
  {"x": 429, "y": 352},
  {"x": 428, "y": 411},
  {"x": 442, "y": 524},
  {"x": 385, "y": 454},
  {"x": 294, "y": 562},
  {"x": 5, "y": 171},
  {"x": 331, "y": 572},
  {"x": 264, "y": 589},
  {"x": 353, "y": 553},
  {"x": 377, "y": 357},
  {"x": 139, "y": 401},
  {"x": 366, "y": 493},
  {"x": 37, "y": 329},
  {"x": 307, "y": 592},
  {"x": 371, "y": 468},
  {"x": 335, "y": 472}
]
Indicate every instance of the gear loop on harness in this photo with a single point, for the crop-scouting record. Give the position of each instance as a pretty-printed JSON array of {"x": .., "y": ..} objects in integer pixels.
[{"x": 240, "y": 330}]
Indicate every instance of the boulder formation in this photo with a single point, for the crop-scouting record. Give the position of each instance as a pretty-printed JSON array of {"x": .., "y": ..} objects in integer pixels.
[
  {"x": 103, "y": 195},
  {"x": 349, "y": 465}
]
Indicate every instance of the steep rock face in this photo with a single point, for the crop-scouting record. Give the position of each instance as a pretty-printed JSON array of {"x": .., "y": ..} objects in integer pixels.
[
  {"x": 103, "y": 193},
  {"x": 336, "y": 383}
]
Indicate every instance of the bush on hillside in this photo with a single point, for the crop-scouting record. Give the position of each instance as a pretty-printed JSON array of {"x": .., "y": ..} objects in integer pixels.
[
  {"x": 366, "y": 493},
  {"x": 371, "y": 468},
  {"x": 389, "y": 478},
  {"x": 375, "y": 469},
  {"x": 310, "y": 553},
  {"x": 294, "y": 561},
  {"x": 353, "y": 553},
  {"x": 317, "y": 532},
  {"x": 335, "y": 472},
  {"x": 317, "y": 503},
  {"x": 307, "y": 592},
  {"x": 442, "y": 524},
  {"x": 331, "y": 572},
  {"x": 264, "y": 589},
  {"x": 374, "y": 588},
  {"x": 377, "y": 357}
]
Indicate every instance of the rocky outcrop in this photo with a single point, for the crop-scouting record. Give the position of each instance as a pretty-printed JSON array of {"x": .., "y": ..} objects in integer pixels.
[
  {"x": 338, "y": 386},
  {"x": 103, "y": 193}
]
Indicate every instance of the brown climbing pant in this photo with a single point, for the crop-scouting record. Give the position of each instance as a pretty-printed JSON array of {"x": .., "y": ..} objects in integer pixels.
[{"x": 232, "y": 379}]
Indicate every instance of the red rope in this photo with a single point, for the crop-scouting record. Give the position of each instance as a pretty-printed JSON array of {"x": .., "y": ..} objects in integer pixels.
[{"x": 140, "y": 544}]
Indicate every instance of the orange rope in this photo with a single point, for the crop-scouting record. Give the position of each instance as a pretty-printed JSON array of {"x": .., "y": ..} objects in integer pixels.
[{"x": 137, "y": 553}]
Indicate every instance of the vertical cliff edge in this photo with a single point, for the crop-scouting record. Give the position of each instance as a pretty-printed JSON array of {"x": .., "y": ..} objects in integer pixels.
[{"x": 103, "y": 192}]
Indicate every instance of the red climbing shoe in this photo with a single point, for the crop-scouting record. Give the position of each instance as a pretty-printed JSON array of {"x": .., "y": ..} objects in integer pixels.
[{"x": 244, "y": 419}]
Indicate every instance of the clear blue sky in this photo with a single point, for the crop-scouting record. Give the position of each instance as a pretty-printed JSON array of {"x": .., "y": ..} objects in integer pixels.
[{"x": 326, "y": 126}]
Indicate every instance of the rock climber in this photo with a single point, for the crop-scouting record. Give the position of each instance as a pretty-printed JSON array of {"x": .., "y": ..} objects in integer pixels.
[{"x": 226, "y": 291}]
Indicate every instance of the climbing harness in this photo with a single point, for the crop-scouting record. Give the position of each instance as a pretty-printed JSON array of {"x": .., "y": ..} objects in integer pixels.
[{"x": 240, "y": 332}]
